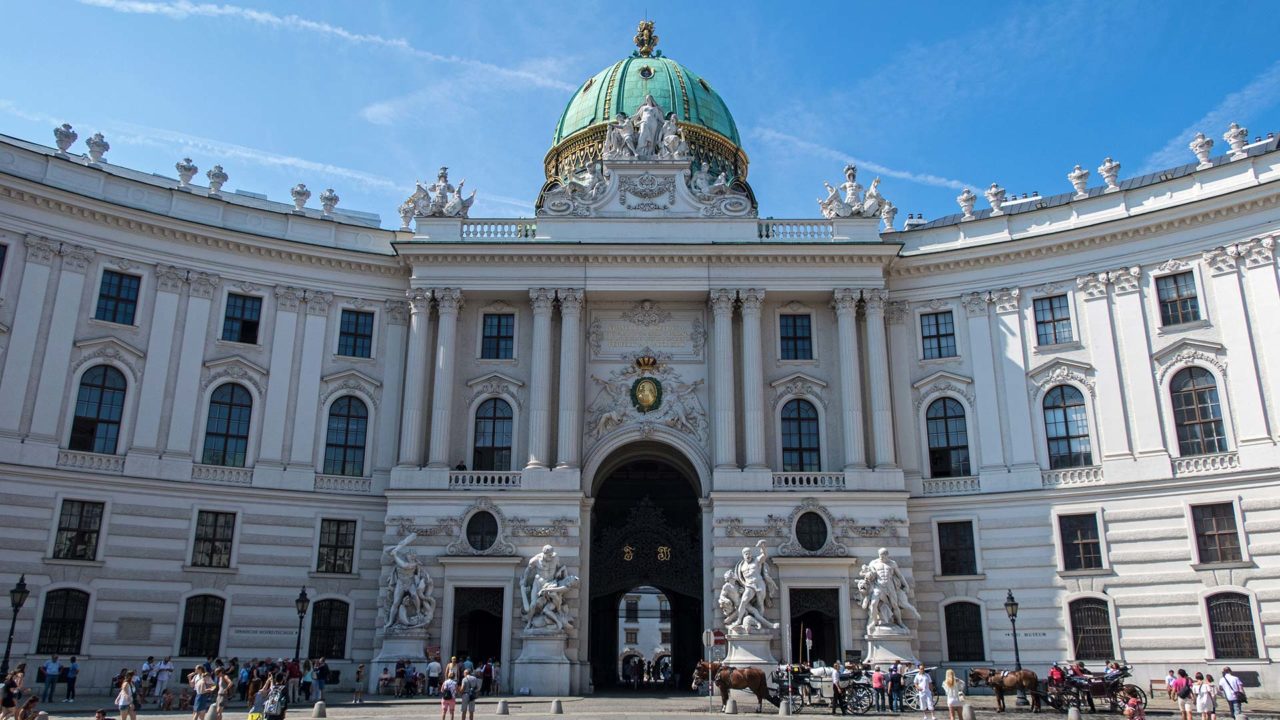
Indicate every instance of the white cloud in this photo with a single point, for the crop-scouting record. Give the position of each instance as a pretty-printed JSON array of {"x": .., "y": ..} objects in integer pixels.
[
  {"x": 183, "y": 9},
  {"x": 1262, "y": 92},
  {"x": 779, "y": 139}
]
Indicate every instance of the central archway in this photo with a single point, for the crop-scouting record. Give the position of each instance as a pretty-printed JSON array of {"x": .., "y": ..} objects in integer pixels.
[{"x": 646, "y": 530}]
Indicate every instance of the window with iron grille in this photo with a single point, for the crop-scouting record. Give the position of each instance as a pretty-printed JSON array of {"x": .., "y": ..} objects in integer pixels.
[
  {"x": 1217, "y": 538},
  {"x": 214, "y": 534},
  {"x": 99, "y": 407},
  {"x": 1081, "y": 547},
  {"x": 240, "y": 323},
  {"x": 337, "y": 550},
  {"x": 1231, "y": 626},
  {"x": 796, "y": 336},
  {"x": 202, "y": 627},
  {"x": 633, "y": 610},
  {"x": 1053, "y": 320},
  {"x": 1066, "y": 427},
  {"x": 632, "y": 637},
  {"x": 811, "y": 531},
  {"x": 955, "y": 548},
  {"x": 345, "y": 437},
  {"x": 355, "y": 334},
  {"x": 328, "y": 629},
  {"x": 117, "y": 297},
  {"x": 1091, "y": 629},
  {"x": 1197, "y": 413},
  {"x": 498, "y": 338},
  {"x": 78, "y": 527},
  {"x": 62, "y": 623},
  {"x": 948, "y": 439},
  {"x": 801, "y": 449},
  {"x": 226, "y": 434},
  {"x": 492, "y": 449},
  {"x": 965, "y": 642},
  {"x": 938, "y": 335},
  {"x": 1178, "y": 300}
]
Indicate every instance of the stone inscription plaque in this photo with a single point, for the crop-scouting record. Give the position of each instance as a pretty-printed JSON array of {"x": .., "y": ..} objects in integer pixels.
[{"x": 679, "y": 334}]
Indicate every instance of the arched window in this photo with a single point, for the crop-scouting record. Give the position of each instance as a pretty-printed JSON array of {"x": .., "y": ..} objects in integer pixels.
[
  {"x": 328, "y": 629},
  {"x": 482, "y": 531},
  {"x": 1231, "y": 626},
  {"x": 62, "y": 625},
  {"x": 1091, "y": 629},
  {"x": 345, "y": 438},
  {"x": 493, "y": 436},
  {"x": 1066, "y": 426},
  {"x": 202, "y": 627},
  {"x": 965, "y": 642},
  {"x": 99, "y": 407},
  {"x": 1197, "y": 413},
  {"x": 811, "y": 531},
  {"x": 226, "y": 435},
  {"x": 800, "y": 445},
  {"x": 948, "y": 439}
]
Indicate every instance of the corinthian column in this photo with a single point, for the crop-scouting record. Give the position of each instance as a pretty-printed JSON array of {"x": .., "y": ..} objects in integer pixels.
[
  {"x": 448, "y": 303},
  {"x": 878, "y": 367},
  {"x": 845, "y": 303},
  {"x": 415, "y": 377},
  {"x": 752, "y": 378},
  {"x": 540, "y": 379},
  {"x": 722, "y": 377},
  {"x": 568, "y": 436}
]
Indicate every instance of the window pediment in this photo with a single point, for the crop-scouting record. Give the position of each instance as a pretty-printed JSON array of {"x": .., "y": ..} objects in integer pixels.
[
  {"x": 1189, "y": 352},
  {"x": 798, "y": 384},
  {"x": 1042, "y": 378},
  {"x": 110, "y": 348},
  {"x": 495, "y": 384},
  {"x": 350, "y": 381},
  {"x": 941, "y": 383},
  {"x": 235, "y": 368}
]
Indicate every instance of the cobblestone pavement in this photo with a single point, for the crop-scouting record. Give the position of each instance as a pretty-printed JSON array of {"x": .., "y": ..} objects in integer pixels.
[{"x": 613, "y": 706}]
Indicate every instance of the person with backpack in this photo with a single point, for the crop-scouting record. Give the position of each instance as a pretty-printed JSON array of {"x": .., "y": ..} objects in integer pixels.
[
  {"x": 277, "y": 702},
  {"x": 125, "y": 697},
  {"x": 1232, "y": 691},
  {"x": 469, "y": 692},
  {"x": 895, "y": 688},
  {"x": 1185, "y": 693},
  {"x": 448, "y": 693}
]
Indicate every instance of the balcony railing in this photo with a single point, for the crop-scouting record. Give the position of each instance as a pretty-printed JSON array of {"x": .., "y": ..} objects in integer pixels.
[
  {"x": 800, "y": 230},
  {"x": 952, "y": 486},
  {"x": 1071, "y": 476},
  {"x": 497, "y": 230},
  {"x": 484, "y": 479},
  {"x": 808, "y": 481},
  {"x": 221, "y": 474},
  {"x": 1206, "y": 464},
  {"x": 95, "y": 462},
  {"x": 343, "y": 484}
]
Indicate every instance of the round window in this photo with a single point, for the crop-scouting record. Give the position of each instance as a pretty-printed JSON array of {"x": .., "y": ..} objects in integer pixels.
[
  {"x": 811, "y": 531},
  {"x": 482, "y": 531},
  {"x": 646, "y": 72}
]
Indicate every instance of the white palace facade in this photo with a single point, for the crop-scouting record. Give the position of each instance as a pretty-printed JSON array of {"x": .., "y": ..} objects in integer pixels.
[{"x": 209, "y": 401}]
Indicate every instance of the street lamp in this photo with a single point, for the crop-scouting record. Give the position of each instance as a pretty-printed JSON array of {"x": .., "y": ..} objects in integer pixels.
[
  {"x": 17, "y": 598},
  {"x": 1011, "y": 608},
  {"x": 301, "y": 603}
]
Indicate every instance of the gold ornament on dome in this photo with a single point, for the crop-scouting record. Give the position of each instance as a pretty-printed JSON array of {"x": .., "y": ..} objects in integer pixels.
[{"x": 645, "y": 38}]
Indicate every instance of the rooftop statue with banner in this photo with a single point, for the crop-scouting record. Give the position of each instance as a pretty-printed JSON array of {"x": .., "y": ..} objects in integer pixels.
[{"x": 748, "y": 589}]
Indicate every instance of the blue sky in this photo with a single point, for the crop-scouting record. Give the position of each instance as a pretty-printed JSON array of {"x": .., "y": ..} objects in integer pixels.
[{"x": 367, "y": 97}]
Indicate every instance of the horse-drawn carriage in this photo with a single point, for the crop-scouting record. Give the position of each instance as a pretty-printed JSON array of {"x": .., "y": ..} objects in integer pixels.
[
  {"x": 797, "y": 686},
  {"x": 1066, "y": 690}
]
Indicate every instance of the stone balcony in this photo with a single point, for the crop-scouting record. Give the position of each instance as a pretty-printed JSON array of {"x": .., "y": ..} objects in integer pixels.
[
  {"x": 967, "y": 485},
  {"x": 484, "y": 479},
  {"x": 97, "y": 462},
  {"x": 222, "y": 474},
  {"x": 1071, "y": 476},
  {"x": 808, "y": 481},
  {"x": 1206, "y": 464}
]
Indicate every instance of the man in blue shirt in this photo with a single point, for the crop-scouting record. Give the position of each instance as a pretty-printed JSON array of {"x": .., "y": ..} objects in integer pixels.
[
  {"x": 73, "y": 669},
  {"x": 51, "y": 672}
]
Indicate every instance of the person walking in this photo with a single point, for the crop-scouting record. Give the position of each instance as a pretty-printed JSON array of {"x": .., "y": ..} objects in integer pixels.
[
  {"x": 895, "y": 687},
  {"x": 164, "y": 673},
  {"x": 448, "y": 692},
  {"x": 9, "y": 699},
  {"x": 469, "y": 691},
  {"x": 357, "y": 697},
  {"x": 125, "y": 698},
  {"x": 486, "y": 677},
  {"x": 292, "y": 679},
  {"x": 1232, "y": 691},
  {"x": 433, "y": 676},
  {"x": 924, "y": 687},
  {"x": 1185, "y": 694},
  {"x": 878, "y": 686},
  {"x": 954, "y": 689},
  {"x": 52, "y": 668},
  {"x": 1168, "y": 684},
  {"x": 205, "y": 690},
  {"x": 1206, "y": 697},
  {"x": 73, "y": 671},
  {"x": 321, "y": 672},
  {"x": 308, "y": 675}
]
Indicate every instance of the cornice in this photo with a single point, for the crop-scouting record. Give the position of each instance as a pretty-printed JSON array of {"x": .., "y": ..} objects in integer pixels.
[
  {"x": 643, "y": 255},
  {"x": 267, "y": 248}
]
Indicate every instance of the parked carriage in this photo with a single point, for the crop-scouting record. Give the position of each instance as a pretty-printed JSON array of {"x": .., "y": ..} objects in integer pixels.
[
  {"x": 1092, "y": 690},
  {"x": 849, "y": 691}
]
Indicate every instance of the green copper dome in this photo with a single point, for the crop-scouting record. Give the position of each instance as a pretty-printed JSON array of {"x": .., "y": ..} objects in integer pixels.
[{"x": 623, "y": 86}]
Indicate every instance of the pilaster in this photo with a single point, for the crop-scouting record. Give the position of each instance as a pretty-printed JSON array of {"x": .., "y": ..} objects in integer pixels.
[
  {"x": 279, "y": 375},
  {"x": 1258, "y": 256},
  {"x": 448, "y": 304},
  {"x": 59, "y": 337},
  {"x": 1132, "y": 331},
  {"x": 1113, "y": 433},
  {"x": 25, "y": 335},
  {"x": 542, "y": 301},
  {"x": 722, "y": 379},
  {"x": 412, "y": 419},
  {"x": 170, "y": 282},
  {"x": 752, "y": 379},
  {"x": 1017, "y": 407},
  {"x": 186, "y": 392},
  {"x": 569, "y": 433},
  {"x": 1229, "y": 311},
  {"x": 845, "y": 302},
  {"x": 878, "y": 372},
  {"x": 307, "y": 404},
  {"x": 991, "y": 445}
]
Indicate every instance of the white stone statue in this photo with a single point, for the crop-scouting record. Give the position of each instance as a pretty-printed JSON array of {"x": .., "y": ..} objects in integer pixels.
[
  {"x": 65, "y": 136},
  {"x": 700, "y": 183},
  {"x": 995, "y": 195},
  {"x": 1201, "y": 146},
  {"x": 674, "y": 146},
  {"x": 747, "y": 590},
  {"x": 1079, "y": 178},
  {"x": 300, "y": 195},
  {"x": 888, "y": 212},
  {"x": 648, "y": 123},
  {"x": 1237, "y": 137},
  {"x": 328, "y": 201},
  {"x": 186, "y": 170},
  {"x": 543, "y": 588},
  {"x": 871, "y": 205},
  {"x": 98, "y": 146},
  {"x": 619, "y": 141},
  {"x": 457, "y": 206},
  {"x": 833, "y": 206},
  {"x": 966, "y": 200},
  {"x": 410, "y": 586},
  {"x": 886, "y": 596},
  {"x": 1110, "y": 172},
  {"x": 439, "y": 199}
]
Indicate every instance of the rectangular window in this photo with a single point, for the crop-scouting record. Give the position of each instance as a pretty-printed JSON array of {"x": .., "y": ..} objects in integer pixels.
[
  {"x": 78, "y": 528},
  {"x": 498, "y": 336},
  {"x": 118, "y": 297},
  {"x": 214, "y": 531},
  {"x": 938, "y": 335},
  {"x": 240, "y": 324},
  {"x": 355, "y": 334},
  {"x": 1217, "y": 538},
  {"x": 1053, "y": 320},
  {"x": 955, "y": 548},
  {"x": 1081, "y": 547},
  {"x": 664, "y": 637},
  {"x": 797, "y": 337},
  {"x": 632, "y": 637},
  {"x": 1178, "y": 300},
  {"x": 633, "y": 611},
  {"x": 337, "y": 546}
]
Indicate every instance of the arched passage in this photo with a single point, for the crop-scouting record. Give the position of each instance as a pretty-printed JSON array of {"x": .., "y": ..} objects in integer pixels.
[{"x": 646, "y": 530}]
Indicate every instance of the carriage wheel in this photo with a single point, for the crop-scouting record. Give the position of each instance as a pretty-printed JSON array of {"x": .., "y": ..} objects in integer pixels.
[
  {"x": 1124, "y": 692},
  {"x": 1055, "y": 700},
  {"x": 861, "y": 700},
  {"x": 911, "y": 699},
  {"x": 795, "y": 701}
]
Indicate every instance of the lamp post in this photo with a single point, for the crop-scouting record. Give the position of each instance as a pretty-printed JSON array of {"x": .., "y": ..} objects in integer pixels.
[
  {"x": 17, "y": 598},
  {"x": 301, "y": 604},
  {"x": 1011, "y": 608}
]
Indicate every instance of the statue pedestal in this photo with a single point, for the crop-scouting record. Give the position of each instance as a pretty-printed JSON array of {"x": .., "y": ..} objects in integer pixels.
[
  {"x": 884, "y": 645},
  {"x": 542, "y": 666},
  {"x": 399, "y": 645},
  {"x": 753, "y": 650}
]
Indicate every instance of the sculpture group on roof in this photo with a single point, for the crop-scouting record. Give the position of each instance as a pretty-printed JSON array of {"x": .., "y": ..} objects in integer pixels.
[
  {"x": 648, "y": 135},
  {"x": 439, "y": 199},
  {"x": 853, "y": 203}
]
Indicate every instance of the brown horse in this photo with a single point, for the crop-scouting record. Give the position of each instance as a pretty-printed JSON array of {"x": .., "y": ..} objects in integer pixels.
[
  {"x": 729, "y": 678},
  {"x": 1007, "y": 681}
]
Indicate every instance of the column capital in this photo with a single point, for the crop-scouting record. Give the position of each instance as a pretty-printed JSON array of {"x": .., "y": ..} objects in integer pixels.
[
  {"x": 844, "y": 300},
  {"x": 752, "y": 298},
  {"x": 1006, "y": 299},
  {"x": 541, "y": 299},
  {"x": 1125, "y": 280},
  {"x": 318, "y": 302},
  {"x": 571, "y": 300},
  {"x": 171, "y": 279},
  {"x": 1259, "y": 252},
  {"x": 397, "y": 311},
  {"x": 875, "y": 298},
  {"x": 1093, "y": 286},
  {"x": 39, "y": 249},
  {"x": 896, "y": 311},
  {"x": 203, "y": 284},
  {"x": 448, "y": 300},
  {"x": 1221, "y": 260},
  {"x": 975, "y": 303},
  {"x": 721, "y": 301},
  {"x": 288, "y": 297},
  {"x": 419, "y": 300},
  {"x": 76, "y": 257}
]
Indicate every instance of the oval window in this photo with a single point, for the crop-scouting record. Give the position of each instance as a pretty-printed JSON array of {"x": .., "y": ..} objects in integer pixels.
[
  {"x": 482, "y": 531},
  {"x": 811, "y": 531},
  {"x": 646, "y": 72}
]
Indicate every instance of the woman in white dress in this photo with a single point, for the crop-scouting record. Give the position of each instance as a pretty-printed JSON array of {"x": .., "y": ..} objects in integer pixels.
[
  {"x": 954, "y": 689},
  {"x": 924, "y": 685},
  {"x": 1206, "y": 697}
]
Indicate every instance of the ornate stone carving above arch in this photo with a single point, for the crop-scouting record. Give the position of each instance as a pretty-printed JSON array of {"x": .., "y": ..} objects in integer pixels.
[
  {"x": 798, "y": 385},
  {"x": 350, "y": 381},
  {"x": 1056, "y": 372},
  {"x": 495, "y": 384},
  {"x": 111, "y": 350},
  {"x": 793, "y": 548},
  {"x": 501, "y": 545},
  {"x": 943, "y": 383},
  {"x": 235, "y": 369},
  {"x": 1187, "y": 353}
]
